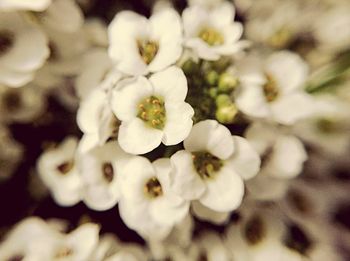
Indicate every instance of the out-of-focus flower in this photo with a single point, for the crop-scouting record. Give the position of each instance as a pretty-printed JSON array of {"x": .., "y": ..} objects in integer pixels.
[
  {"x": 32, "y": 5},
  {"x": 10, "y": 154},
  {"x": 147, "y": 204},
  {"x": 283, "y": 156},
  {"x": 139, "y": 46},
  {"x": 277, "y": 93},
  {"x": 211, "y": 34},
  {"x": 23, "y": 49},
  {"x": 212, "y": 166},
  {"x": 21, "y": 105},
  {"x": 99, "y": 170},
  {"x": 59, "y": 171},
  {"x": 152, "y": 111}
]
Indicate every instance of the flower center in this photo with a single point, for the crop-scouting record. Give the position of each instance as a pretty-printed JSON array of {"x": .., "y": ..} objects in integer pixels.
[
  {"x": 12, "y": 100},
  {"x": 108, "y": 172},
  {"x": 6, "y": 41},
  {"x": 327, "y": 125},
  {"x": 64, "y": 252},
  {"x": 211, "y": 36},
  {"x": 153, "y": 188},
  {"x": 270, "y": 88},
  {"x": 148, "y": 50},
  {"x": 254, "y": 230},
  {"x": 280, "y": 38},
  {"x": 206, "y": 164},
  {"x": 152, "y": 111},
  {"x": 65, "y": 167}
]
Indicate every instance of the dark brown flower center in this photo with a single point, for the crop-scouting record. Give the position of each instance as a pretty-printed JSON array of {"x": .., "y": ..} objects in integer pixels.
[
  {"x": 108, "y": 171},
  {"x": 6, "y": 41},
  {"x": 153, "y": 188},
  {"x": 65, "y": 167},
  {"x": 206, "y": 164},
  {"x": 254, "y": 230}
]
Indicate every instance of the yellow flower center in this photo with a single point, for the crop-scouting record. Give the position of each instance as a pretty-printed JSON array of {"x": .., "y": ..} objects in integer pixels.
[
  {"x": 211, "y": 36},
  {"x": 147, "y": 50},
  {"x": 270, "y": 88},
  {"x": 206, "y": 164},
  {"x": 152, "y": 111},
  {"x": 153, "y": 188},
  {"x": 6, "y": 41}
]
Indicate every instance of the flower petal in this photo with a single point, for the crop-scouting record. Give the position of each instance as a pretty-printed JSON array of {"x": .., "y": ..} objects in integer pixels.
[
  {"x": 224, "y": 192},
  {"x": 210, "y": 136}
]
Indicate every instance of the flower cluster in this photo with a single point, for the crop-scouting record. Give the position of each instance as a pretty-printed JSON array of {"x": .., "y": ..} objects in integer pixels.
[{"x": 206, "y": 114}]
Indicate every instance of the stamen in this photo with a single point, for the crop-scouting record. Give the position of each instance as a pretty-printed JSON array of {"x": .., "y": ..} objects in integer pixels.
[
  {"x": 211, "y": 36},
  {"x": 153, "y": 188},
  {"x": 152, "y": 111}
]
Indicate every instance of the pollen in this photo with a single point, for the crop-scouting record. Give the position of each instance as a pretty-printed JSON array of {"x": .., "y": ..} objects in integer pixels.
[
  {"x": 152, "y": 111},
  {"x": 211, "y": 36},
  {"x": 206, "y": 164},
  {"x": 153, "y": 188},
  {"x": 147, "y": 50},
  {"x": 270, "y": 89}
]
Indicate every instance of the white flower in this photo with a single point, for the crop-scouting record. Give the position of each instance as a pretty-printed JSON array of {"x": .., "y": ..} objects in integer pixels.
[
  {"x": 212, "y": 167},
  {"x": 152, "y": 111},
  {"x": 206, "y": 214},
  {"x": 62, "y": 15},
  {"x": 147, "y": 204},
  {"x": 283, "y": 158},
  {"x": 10, "y": 154},
  {"x": 21, "y": 104},
  {"x": 33, "y": 5},
  {"x": 58, "y": 170},
  {"x": 140, "y": 46},
  {"x": 212, "y": 33},
  {"x": 99, "y": 170},
  {"x": 274, "y": 90},
  {"x": 329, "y": 129},
  {"x": 23, "y": 49},
  {"x": 212, "y": 247}
]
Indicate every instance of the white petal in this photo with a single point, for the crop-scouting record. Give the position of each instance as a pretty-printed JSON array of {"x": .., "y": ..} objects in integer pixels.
[
  {"x": 178, "y": 122},
  {"x": 136, "y": 137},
  {"x": 133, "y": 177},
  {"x": 210, "y": 136},
  {"x": 123, "y": 32},
  {"x": 88, "y": 142},
  {"x": 261, "y": 136},
  {"x": 250, "y": 100},
  {"x": 223, "y": 14},
  {"x": 287, "y": 159},
  {"x": 207, "y": 214},
  {"x": 202, "y": 49},
  {"x": 232, "y": 33},
  {"x": 245, "y": 160},
  {"x": 100, "y": 198},
  {"x": 184, "y": 179},
  {"x": 12, "y": 78},
  {"x": 171, "y": 84},
  {"x": 165, "y": 213},
  {"x": 289, "y": 70},
  {"x": 127, "y": 95},
  {"x": 167, "y": 30},
  {"x": 194, "y": 18},
  {"x": 293, "y": 107},
  {"x": 90, "y": 111},
  {"x": 224, "y": 191}
]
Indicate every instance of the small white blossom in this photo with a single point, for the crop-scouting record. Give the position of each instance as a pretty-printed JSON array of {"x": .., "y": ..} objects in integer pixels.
[
  {"x": 273, "y": 89},
  {"x": 212, "y": 33},
  {"x": 23, "y": 49},
  {"x": 212, "y": 166},
  {"x": 59, "y": 172},
  {"x": 99, "y": 170},
  {"x": 147, "y": 204},
  {"x": 152, "y": 111},
  {"x": 139, "y": 45}
]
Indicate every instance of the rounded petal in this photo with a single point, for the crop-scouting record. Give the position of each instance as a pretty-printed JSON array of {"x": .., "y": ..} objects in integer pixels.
[
  {"x": 293, "y": 107},
  {"x": 210, "y": 136},
  {"x": 287, "y": 159},
  {"x": 179, "y": 122},
  {"x": 261, "y": 136},
  {"x": 100, "y": 198},
  {"x": 89, "y": 111},
  {"x": 224, "y": 191},
  {"x": 194, "y": 18},
  {"x": 127, "y": 95},
  {"x": 222, "y": 15},
  {"x": 184, "y": 180},
  {"x": 250, "y": 100},
  {"x": 171, "y": 84},
  {"x": 136, "y": 137},
  {"x": 245, "y": 160},
  {"x": 167, "y": 30}
]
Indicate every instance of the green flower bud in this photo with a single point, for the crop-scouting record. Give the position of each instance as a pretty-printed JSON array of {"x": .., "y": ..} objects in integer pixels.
[
  {"x": 226, "y": 114},
  {"x": 223, "y": 100},
  {"x": 227, "y": 82},
  {"x": 189, "y": 66},
  {"x": 213, "y": 92},
  {"x": 212, "y": 78}
]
